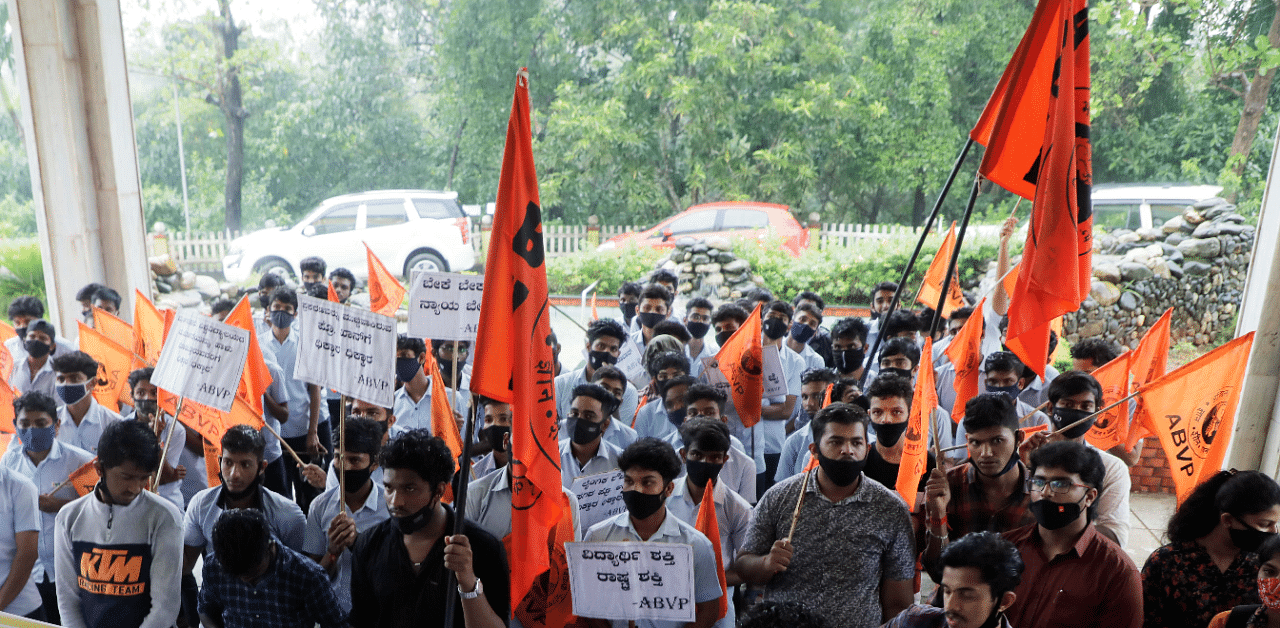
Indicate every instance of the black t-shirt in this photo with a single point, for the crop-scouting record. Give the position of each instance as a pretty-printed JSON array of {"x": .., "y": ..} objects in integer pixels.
[
  {"x": 386, "y": 593},
  {"x": 886, "y": 472}
]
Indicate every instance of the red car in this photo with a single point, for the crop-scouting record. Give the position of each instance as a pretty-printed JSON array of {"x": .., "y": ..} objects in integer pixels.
[{"x": 731, "y": 219}]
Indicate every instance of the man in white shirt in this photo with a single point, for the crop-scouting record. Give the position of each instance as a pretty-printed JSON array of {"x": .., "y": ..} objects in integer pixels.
[
  {"x": 23, "y": 311},
  {"x": 82, "y": 420},
  {"x": 146, "y": 409},
  {"x": 412, "y": 404},
  {"x": 697, "y": 320},
  {"x": 616, "y": 428},
  {"x": 804, "y": 325},
  {"x": 586, "y": 452},
  {"x": 603, "y": 346},
  {"x": 33, "y": 364},
  {"x": 776, "y": 410}
]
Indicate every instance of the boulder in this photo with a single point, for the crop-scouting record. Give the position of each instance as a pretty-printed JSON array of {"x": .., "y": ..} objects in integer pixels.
[
  {"x": 1231, "y": 217},
  {"x": 181, "y": 299},
  {"x": 720, "y": 244},
  {"x": 670, "y": 265},
  {"x": 1231, "y": 228},
  {"x": 1196, "y": 268},
  {"x": 713, "y": 279},
  {"x": 1129, "y": 301},
  {"x": 1206, "y": 230},
  {"x": 162, "y": 265},
  {"x": 1104, "y": 292},
  {"x": 737, "y": 266},
  {"x": 1192, "y": 217},
  {"x": 1134, "y": 271},
  {"x": 1128, "y": 238},
  {"x": 701, "y": 258},
  {"x": 1092, "y": 328},
  {"x": 1201, "y": 247},
  {"x": 1218, "y": 211},
  {"x": 1173, "y": 225},
  {"x": 1175, "y": 238},
  {"x": 686, "y": 242},
  {"x": 1150, "y": 234},
  {"x": 1160, "y": 268},
  {"x": 1175, "y": 269},
  {"x": 207, "y": 287},
  {"x": 1210, "y": 202},
  {"x": 1107, "y": 272},
  {"x": 700, "y": 247},
  {"x": 188, "y": 280}
]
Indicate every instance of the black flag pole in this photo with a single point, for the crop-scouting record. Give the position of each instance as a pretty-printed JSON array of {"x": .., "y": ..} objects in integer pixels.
[
  {"x": 952, "y": 271},
  {"x": 460, "y": 508},
  {"x": 915, "y": 255}
]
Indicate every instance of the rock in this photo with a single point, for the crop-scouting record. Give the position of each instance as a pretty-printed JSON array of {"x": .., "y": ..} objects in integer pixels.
[
  {"x": 700, "y": 258},
  {"x": 1150, "y": 234},
  {"x": 207, "y": 286},
  {"x": 685, "y": 287},
  {"x": 725, "y": 257},
  {"x": 685, "y": 267},
  {"x": 1232, "y": 217},
  {"x": 1104, "y": 292},
  {"x": 1139, "y": 255},
  {"x": 1173, "y": 225},
  {"x": 1206, "y": 230},
  {"x": 1128, "y": 238},
  {"x": 1160, "y": 268},
  {"x": 1210, "y": 202},
  {"x": 758, "y": 280},
  {"x": 1218, "y": 211},
  {"x": 1175, "y": 269},
  {"x": 183, "y": 299},
  {"x": 1090, "y": 329},
  {"x": 686, "y": 242},
  {"x": 1133, "y": 271},
  {"x": 163, "y": 287},
  {"x": 1202, "y": 248},
  {"x": 1196, "y": 268},
  {"x": 1103, "y": 242},
  {"x": 1231, "y": 228},
  {"x": 1129, "y": 301},
  {"x": 720, "y": 244},
  {"x": 188, "y": 280},
  {"x": 1175, "y": 238},
  {"x": 162, "y": 265},
  {"x": 670, "y": 265},
  {"x": 713, "y": 279},
  {"x": 1107, "y": 272},
  {"x": 700, "y": 247},
  {"x": 737, "y": 266},
  {"x": 724, "y": 293},
  {"x": 1192, "y": 217}
]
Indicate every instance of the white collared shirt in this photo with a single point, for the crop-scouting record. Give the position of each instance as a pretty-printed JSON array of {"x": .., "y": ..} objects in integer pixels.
[
  {"x": 57, "y": 466},
  {"x": 19, "y": 507},
  {"x": 22, "y": 382},
  {"x": 489, "y": 505},
  {"x": 605, "y": 459},
  {"x": 410, "y": 414},
  {"x": 733, "y": 517},
  {"x": 86, "y": 434}
]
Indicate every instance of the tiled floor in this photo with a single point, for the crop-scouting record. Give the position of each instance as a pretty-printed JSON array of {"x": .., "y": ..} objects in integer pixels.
[{"x": 1149, "y": 516}]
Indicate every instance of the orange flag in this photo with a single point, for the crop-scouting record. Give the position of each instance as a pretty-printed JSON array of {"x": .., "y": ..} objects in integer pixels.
[
  {"x": 936, "y": 275},
  {"x": 149, "y": 328},
  {"x": 1010, "y": 280},
  {"x": 708, "y": 524},
  {"x": 1149, "y": 362},
  {"x": 1196, "y": 408},
  {"x": 741, "y": 359},
  {"x": 385, "y": 291},
  {"x": 915, "y": 448},
  {"x": 256, "y": 377},
  {"x": 112, "y": 327},
  {"x": 443, "y": 423},
  {"x": 114, "y": 362},
  {"x": 1057, "y": 253},
  {"x": 84, "y": 479},
  {"x": 826, "y": 396},
  {"x": 6, "y": 358},
  {"x": 6, "y": 408},
  {"x": 212, "y": 462},
  {"x": 1111, "y": 428},
  {"x": 212, "y": 423},
  {"x": 333, "y": 296},
  {"x": 965, "y": 353},
  {"x": 513, "y": 359},
  {"x": 813, "y": 463}
]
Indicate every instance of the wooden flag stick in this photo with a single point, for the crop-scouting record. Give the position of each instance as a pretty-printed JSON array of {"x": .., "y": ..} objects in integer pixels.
[
  {"x": 1028, "y": 415},
  {"x": 68, "y": 480},
  {"x": 164, "y": 445},
  {"x": 1081, "y": 421},
  {"x": 936, "y": 430},
  {"x": 795, "y": 517},
  {"x": 285, "y": 443},
  {"x": 342, "y": 453}
]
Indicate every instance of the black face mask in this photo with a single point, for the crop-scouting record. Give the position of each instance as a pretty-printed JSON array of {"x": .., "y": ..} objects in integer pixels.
[
  {"x": 801, "y": 333},
  {"x": 875, "y": 315},
  {"x": 146, "y": 407},
  {"x": 1008, "y": 466},
  {"x": 723, "y": 337},
  {"x": 628, "y": 311},
  {"x": 677, "y": 416},
  {"x": 848, "y": 360},
  {"x": 355, "y": 478},
  {"x": 418, "y": 520},
  {"x": 264, "y": 300},
  {"x": 1054, "y": 516},
  {"x": 888, "y": 434},
  {"x": 598, "y": 359},
  {"x": 495, "y": 435},
  {"x": 446, "y": 371},
  {"x": 698, "y": 330},
  {"x": 407, "y": 368},
  {"x": 20, "y": 332},
  {"x": 37, "y": 349},
  {"x": 1012, "y": 391},
  {"x": 905, "y": 373},
  {"x": 585, "y": 432},
  {"x": 236, "y": 496},
  {"x": 651, "y": 319},
  {"x": 281, "y": 319},
  {"x": 773, "y": 328},
  {"x": 1063, "y": 417},
  {"x": 642, "y": 505},
  {"x": 841, "y": 472},
  {"x": 1248, "y": 539},
  {"x": 700, "y": 472},
  {"x": 309, "y": 286}
]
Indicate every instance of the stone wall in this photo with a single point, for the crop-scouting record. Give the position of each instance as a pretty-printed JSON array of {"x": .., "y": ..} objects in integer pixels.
[
  {"x": 708, "y": 268},
  {"x": 1195, "y": 263}
]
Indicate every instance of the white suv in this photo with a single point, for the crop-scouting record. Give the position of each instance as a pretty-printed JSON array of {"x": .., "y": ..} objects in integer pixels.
[{"x": 409, "y": 230}]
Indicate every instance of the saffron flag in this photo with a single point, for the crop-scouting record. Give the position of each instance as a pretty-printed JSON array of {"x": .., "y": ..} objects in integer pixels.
[
  {"x": 333, "y": 296},
  {"x": 84, "y": 479},
  {"x": 741, "y": 359},
  {"x": 1192, "y": 411},
  {"x": 385, "y": 291},
  {"x": 965, "y": 353},
  {"x": 1149, "y": 362},
  {"x": 212, "y": 461},
  {"x": 915, "y": 448},
  {"x": 114, "y": 362},
  {"x": 931, "y": 288},
  {"x": 112, "y": 327},
  {"x": 1010, "y": 280},
  {"x": 6, "y": 358},
  {"x": 812, "y": 464},
  {"x": 149, "y": 328},
  {"x": 826, "y": 395},
  {"x": 6, "y": 407},
  {"x": 1112, "y": 427},
  {"x": 443, "y": 423},
  {"x": 256, "y": 377},
  {"x": 1053, "y": 68},
  {"x": 709, "y": 525},
  {"x": 513, "y": 359}
]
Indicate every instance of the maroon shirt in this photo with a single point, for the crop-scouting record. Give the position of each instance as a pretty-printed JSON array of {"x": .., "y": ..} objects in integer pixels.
[{"x": 1093, "y": 584}]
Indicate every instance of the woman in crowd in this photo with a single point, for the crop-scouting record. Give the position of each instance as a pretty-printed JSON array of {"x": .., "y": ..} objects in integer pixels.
[
  {"x": 1211, "y": 562},
  {"x": 1268, "y": 612}
]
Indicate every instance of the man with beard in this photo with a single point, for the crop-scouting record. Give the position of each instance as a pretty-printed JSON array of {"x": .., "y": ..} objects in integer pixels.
[
  {"x": 399, "y": 568},
  {"x": 852, "y": 558},
  {"x": 979, "y": 574}
]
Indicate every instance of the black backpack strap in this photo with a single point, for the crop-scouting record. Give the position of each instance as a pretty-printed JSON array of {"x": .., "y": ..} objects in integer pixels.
[{"x": 1239, "y": 617}]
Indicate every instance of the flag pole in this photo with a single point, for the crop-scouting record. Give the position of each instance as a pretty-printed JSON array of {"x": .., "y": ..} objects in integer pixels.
[
  {"x": 342, "y": 450},
  {"x": 795, "y": 516},
  {"x": 286, "y": 444},
  {"x": 459, "y": 501},
  {"x": 955, "y": 258},
  {"x": 924, "y": 232},
  {"x": 164, "y": 446},
  {"x": 1081, "y": 421}
]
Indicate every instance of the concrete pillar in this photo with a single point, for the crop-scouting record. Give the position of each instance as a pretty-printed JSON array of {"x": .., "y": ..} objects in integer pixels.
[
  {"x": 1255, "y": 440},
  {"x": 77, "y": 122}
]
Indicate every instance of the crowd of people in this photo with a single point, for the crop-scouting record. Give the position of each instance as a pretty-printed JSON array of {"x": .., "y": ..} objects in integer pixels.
[{"x": 1008, "y": 528}]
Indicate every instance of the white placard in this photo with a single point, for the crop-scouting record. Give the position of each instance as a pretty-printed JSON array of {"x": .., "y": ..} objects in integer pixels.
[
  {"x": 347, "y": 349},
  {"x": 632, "y": 580},
  {"x": 202, "y": 360},
  {"x": 631, "y": 363},
  {"x": 599, "y": 497},
  {"x": 775, "y": 381},
  {"x": 445, "y": 306}
]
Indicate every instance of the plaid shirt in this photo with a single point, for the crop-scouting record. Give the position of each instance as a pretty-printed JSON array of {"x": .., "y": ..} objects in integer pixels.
[
  {"x": 294, "y": 593},
  {"x": 968, "y": 510}
]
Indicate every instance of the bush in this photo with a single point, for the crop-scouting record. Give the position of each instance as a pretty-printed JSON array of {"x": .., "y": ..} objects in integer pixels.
[
  {"x": 570, "y": 274},
  {"x": 21, "y": 273}
]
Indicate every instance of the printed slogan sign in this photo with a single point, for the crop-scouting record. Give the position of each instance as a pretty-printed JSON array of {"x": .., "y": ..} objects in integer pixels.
[
  {"x": 347, "y": 349},
  {"x": 445, "y": 306},
  {"x": 202, "y": 360},
  {"x": 632, "y": 581},
  {"x": 599, "y": 497}
]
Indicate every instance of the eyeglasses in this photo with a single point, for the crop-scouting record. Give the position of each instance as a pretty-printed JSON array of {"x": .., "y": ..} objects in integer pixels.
[{"x": 1054, "y": 487}]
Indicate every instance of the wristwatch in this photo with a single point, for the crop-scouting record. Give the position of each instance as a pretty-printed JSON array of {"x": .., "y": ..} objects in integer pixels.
[{"x": 474, "y": 594}]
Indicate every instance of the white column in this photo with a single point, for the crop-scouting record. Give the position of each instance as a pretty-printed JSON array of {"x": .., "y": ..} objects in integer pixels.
[{"x": 77, "y": 122}]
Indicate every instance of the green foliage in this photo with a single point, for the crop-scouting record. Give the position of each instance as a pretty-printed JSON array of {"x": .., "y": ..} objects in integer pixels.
[
  {"x": 17, "y": 218},
  {"x": 570, "y": 274},
  {"x": 21, "y": 273}
]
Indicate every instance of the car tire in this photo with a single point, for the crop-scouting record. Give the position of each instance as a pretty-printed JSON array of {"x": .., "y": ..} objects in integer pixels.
[
  {"x": 277, "y": 266},
  {"x": 424, "y": 261}
]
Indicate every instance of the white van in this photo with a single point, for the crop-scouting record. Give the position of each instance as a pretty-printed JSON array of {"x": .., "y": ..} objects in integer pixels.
[{"x": 1138, "y": 205}]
